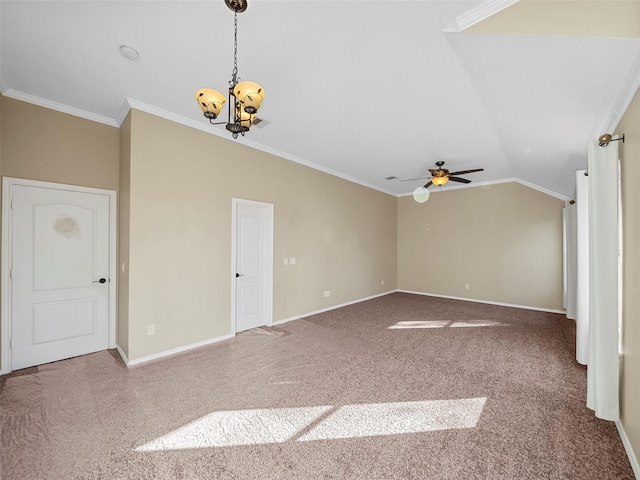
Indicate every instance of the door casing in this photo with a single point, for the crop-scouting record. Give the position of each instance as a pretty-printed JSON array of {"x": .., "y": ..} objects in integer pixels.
[
  {"x": 7, "y": 225},
  {"x": 268, "y": 258}
]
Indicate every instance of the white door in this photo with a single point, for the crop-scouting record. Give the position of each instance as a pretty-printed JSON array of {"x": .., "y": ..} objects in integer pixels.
[
  {"x": 253, "y": 264},
  {"x": 59, "y": 274}
]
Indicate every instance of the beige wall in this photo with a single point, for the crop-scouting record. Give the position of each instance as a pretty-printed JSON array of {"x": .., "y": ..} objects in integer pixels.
[
  {"x": 41, "y": 144},
  {"x": 1, "y": 100},
  {"x": 630, "y": 169},
  {"x": 175, "y": 189},
  {"x": 1, "y": 259},
  {"x": 182, "y": 183},
  {"x": 175, "y": 228},
  {"x": 578, "y": 18},
  {"x": 123, "y": 235},
  {"x": 504, "y": 240}
]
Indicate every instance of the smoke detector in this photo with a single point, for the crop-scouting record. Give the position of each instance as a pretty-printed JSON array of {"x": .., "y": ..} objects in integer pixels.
[{"x": 129, "y": 53}]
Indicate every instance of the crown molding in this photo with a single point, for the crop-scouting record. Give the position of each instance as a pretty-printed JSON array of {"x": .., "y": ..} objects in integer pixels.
[
  {"x": 478, "y": 14},
  {"x": 124, "y": 110},
  {"x": 551, "y": 193},
  {"x": 59, "y": 107},
  {"x": 496, "y": 182},
  {"x": 207, "y": 128},
  {"x": 130, "y": 103}
]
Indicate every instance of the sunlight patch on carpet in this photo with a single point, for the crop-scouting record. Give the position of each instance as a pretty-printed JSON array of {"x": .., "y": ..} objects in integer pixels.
[
  {"x": 368, "y": 420},
  {"x": 478, "y": 323},
  {"x": 237, "y": 427},
  {"x": 277, "y": 425},
  {"x": 419, "y": 324},
  {"x": 406, "y": 324}
]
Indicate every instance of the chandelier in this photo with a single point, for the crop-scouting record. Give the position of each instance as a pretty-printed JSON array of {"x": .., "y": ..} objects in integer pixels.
[{"x": 244, "y": 97}]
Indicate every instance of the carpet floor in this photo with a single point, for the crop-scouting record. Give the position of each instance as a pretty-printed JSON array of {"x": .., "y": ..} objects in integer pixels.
[{"x": 398, "y": 387}]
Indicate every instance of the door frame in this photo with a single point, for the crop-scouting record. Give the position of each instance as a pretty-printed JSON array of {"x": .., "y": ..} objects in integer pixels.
[
  {"x": 7, "y": 253},
  {"x": 267, "y": 251}
]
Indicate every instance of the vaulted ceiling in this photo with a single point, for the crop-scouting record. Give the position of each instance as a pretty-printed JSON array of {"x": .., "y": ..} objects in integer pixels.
[{"x": 361, "y": 89}]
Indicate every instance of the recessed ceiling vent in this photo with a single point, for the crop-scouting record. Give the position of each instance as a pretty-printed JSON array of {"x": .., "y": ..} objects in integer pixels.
[
  {"x": 391, "y": 178},
  {"x": 260, "y": 122}
]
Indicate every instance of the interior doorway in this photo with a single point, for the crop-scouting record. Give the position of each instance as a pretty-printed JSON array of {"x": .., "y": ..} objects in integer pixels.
[
  {"x": 58, "y": 272},
  {"x": 252, "y": 265}
]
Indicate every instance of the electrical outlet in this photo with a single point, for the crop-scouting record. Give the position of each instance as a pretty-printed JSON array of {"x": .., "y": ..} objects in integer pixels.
[
  {"x": 292, "y": 261},
  {"x": 381, "y": 282},
  {"x": 466, "y": 286},
  {"x": 151, "y": 329},
  {"x": 286, "y": 261}
]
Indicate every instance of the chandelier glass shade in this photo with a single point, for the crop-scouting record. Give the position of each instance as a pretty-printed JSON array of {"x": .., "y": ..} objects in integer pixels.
[
  {"x": 439, "y": 181},
  {"x": 245, "y": 98},
  {"x": 211, "y": 102},
  {"x": 249, "y": 95}
]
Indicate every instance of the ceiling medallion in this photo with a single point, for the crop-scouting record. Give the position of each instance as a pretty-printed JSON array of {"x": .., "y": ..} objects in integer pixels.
[{"x": 238, "y": 6}]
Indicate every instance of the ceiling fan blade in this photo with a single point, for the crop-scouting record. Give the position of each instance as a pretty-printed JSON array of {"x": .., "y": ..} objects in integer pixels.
[
  {"x": 464, "y": 172},
  {"x": 458, "y": 179},
  {"x": 428, "y": 184},
  {"x": 411, "y": 179}
]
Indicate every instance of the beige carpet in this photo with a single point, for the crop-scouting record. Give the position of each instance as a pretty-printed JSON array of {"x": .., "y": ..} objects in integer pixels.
[{"x": 400, "y": 387}]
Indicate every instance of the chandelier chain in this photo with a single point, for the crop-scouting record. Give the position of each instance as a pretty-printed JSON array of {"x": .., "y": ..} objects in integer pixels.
[{"x": 234, "y": 76}]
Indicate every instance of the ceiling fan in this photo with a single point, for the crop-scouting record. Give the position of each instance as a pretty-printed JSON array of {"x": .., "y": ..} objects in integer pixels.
[{"x": 440, "y": 176}]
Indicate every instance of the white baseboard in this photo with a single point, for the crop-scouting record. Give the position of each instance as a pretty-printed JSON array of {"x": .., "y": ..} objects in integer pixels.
[
  {"x": 333, "y": 307},
  {"x": 501, "y": 304},
  {"x": 122, "y": 354},
  {"x": 173, "y": 351},
  {"x": 193, "y": 346},
  {"x": 633, "y": 460}
]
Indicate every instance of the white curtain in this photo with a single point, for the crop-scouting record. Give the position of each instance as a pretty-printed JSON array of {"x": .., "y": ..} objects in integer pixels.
[
  {"x": 603, "y": 356},
  {"x": 571, "y": 259},
  {"x": 582, "y": 267}
]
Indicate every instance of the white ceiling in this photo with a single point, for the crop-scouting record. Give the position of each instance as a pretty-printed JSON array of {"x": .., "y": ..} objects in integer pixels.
[{"x": 363, "y": 89}]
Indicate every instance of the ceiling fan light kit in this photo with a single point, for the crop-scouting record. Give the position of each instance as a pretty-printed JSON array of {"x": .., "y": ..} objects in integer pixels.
[
  {"x": 439, "y": 181},
  {"x": 439, "y": 176},
  {"x": 245, "y": 98}
]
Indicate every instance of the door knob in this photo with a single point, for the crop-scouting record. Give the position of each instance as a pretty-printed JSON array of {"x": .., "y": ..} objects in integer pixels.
[
  {"x": 239, "y": 275},
  {"x": 102, "y": 280}
]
